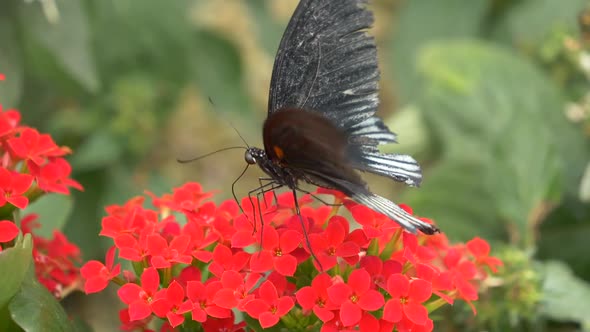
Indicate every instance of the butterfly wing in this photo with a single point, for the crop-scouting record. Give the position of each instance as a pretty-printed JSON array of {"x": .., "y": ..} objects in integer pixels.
[
  {"x": 327, "y": 63},
  {"x": 311, "y": 148}
]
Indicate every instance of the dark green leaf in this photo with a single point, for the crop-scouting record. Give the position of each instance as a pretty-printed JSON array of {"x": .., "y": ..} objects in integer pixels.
[
  {"x": 65, "y": 35},
  {"x": 10, "y": 65},
  {"x": 565, "y": 295},
  {"x": 564, "y": 236},
  {"x": 53, "y": 211},
  {"x": 14, "y": 264},
  {"x": 99, "y": 150},
  {"x": 421, "y": 22},
  {"x": 33, "y": 308},
  {"x": 498, "y": 114}
]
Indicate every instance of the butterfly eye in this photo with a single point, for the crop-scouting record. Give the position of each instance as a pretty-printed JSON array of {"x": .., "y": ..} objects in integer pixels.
[{"x": 249, "y": 158}]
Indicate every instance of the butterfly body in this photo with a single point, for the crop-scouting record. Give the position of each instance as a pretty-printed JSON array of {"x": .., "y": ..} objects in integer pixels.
[{"x": 321, "y": 126}]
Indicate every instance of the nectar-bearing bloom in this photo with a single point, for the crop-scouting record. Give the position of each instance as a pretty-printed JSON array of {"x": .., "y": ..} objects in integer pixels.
[
  {"x": 31, "y": 166},
  {"x": 200, "y": 261}
]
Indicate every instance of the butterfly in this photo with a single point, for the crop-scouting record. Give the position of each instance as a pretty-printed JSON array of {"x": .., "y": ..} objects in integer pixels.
[{"x": 321, "y": 127}]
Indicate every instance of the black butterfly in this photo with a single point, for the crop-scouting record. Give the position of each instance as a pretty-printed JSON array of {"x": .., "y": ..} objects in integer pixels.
[{"x": 321, "y": 125}]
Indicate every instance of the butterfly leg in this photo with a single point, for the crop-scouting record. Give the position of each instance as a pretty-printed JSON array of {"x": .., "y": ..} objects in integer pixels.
[
  {"x": 305, "y": 235},
  {"x": 260, "y": 180},
  {"x": 262, "y": 189}
]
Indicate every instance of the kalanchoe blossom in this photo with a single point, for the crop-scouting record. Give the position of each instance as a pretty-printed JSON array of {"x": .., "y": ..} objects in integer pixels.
[
  {"x": 8, "y": 231},
  {"x": 140, "y": 297},
  {"x": 268, "y": 307},
  {"x": 13, "y": 187},
  {"x": 9, "y": 121},
  {"x": 391, "y": 276},
  {"x": 276, "y": 252},
  {"x": 315, "y": 298},
  {"x": 164, "y": 254},
  {"x": 33, "y": 146},
  {"x": 98, "y": 275},
  {"x": 406, "y": 299},
  {"x": 168, "y": 304},
  {"x": 54, "y": 176},
  {"x": 480, "y": 249},
  {"x": 201, "y": 301},
  {"x": 355, "y": 297}
]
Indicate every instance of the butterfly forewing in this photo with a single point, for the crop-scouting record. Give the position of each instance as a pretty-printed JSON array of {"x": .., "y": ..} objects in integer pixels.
[
  {"x": 327, "y": 64},
  {"x": 321, "y": 122}
]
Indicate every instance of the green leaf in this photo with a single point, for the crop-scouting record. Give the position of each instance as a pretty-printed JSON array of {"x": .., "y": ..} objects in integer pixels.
[
  {"x": 99, "y": 150},
  {"x": 530, "y": 21},
  {"x": 421, "y": 22},
  {"x": 219, "y": 70},
  {"x": 33, "y": 308},
  {"x": 564, "y": 236},
  {"x": 565, "y": 295},
  {"x": 499, "y": 115},
  {"x": 585, "y": 185},
  {"x": 65, "y": 35},
  {"x": 10, "y": 65},
  {"x": 14, "y": 264},
  {"x": 157, "y": 33},
  {"x": 53, "y": 211}
]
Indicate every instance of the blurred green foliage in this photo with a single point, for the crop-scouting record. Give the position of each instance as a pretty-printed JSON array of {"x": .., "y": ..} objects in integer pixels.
[{"x": 495, "y": 97}]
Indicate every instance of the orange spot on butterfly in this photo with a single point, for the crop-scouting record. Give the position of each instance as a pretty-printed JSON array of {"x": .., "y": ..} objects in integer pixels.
[{"x": 279, "y": 152}]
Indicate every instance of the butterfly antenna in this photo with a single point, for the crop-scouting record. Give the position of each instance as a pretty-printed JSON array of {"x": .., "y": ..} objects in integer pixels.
[
  {"x": 184, "y": 161},
  {"x": 228, "y": 122}
]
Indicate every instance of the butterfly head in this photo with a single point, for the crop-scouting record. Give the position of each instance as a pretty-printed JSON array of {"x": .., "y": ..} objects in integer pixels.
[{"x": 254, "y": 155}]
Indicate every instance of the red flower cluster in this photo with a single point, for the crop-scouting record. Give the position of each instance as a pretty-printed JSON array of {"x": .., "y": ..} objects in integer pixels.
[
  {"x": 31, "y": 164},
  {"x": 200, "y": 261}
]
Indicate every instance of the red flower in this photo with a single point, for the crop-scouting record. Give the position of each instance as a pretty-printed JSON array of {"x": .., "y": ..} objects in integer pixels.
[
  {"x": 199, "y": 240},
  {"x": 200, "y": 301},
  {"x": 379, "y": 270},
  {"x": 236, "y": 290},
  {"x": 406, "y": 299},
  {"x": 223, "y": 324},
  {"x": 355, "y": 297},
  {"x": 480, "y": 249},
  {"x": 129, "y": 325},
  {"x": 8, "y": 122},
  {"x": 54, "y": 176},
  {"x": 140, "y": 298},
  {"x": 2, "y": 77},
  {"x": 459, "y": 274},
  {"x": 186, "y": 199},
  {"x": 168, "y": 303},
  {"x": 98, "y": 275},
  {"x": 374, "y": 224},
  {"x": 268, "y": 308},
  {"x": 8, "y": 231},
  {"x": 333, "y": 242},
  {"x": 315, "y": 297},
  {"x": 12, "y": 188},
  {"x": 249, "y": 222},
  {"x": 130, "y": 219},
  {"x": 163, "y": 255},
  {"x": 276, "y": 252},
  {"x": 36, "y": 147},
  {"x": 130, "y": 248},
  {"x": 225, "y": 260}
]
